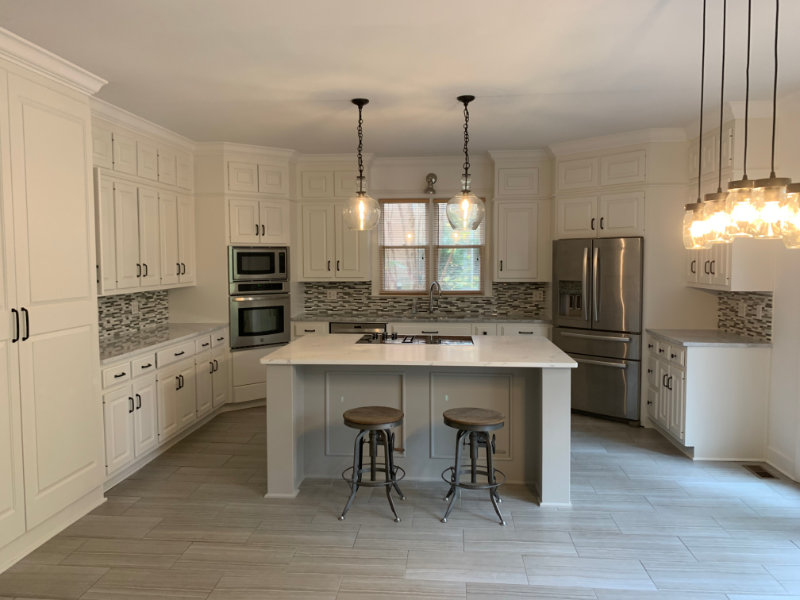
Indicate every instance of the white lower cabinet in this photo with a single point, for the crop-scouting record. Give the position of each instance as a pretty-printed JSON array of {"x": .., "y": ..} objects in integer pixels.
[
  {"x": 301, "y": 328},
  {"x": 709, "y": 398},
  {"x": 204, "y": 373},
  {"x": 430, "y": 328},
  {"x": 523, "y": 329},
  {"x": 220, "y": 378},
  {"x": 130, "y": 422},
  {"x": 177, "y": 403}
]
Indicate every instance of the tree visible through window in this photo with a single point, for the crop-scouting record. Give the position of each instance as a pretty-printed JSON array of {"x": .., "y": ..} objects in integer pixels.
[{"x": 417, "y": 246}]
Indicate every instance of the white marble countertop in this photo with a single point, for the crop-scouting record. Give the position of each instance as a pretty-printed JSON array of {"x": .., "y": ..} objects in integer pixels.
[
  {"x": 420, "y": 316},
  {"x": 123, "y": 347},
  {"x": 487, "y": 351},
  {"x": 706, "y": 337}
]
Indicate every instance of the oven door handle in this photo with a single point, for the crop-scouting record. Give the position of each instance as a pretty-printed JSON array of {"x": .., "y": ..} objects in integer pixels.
[
  {"x": 272, "y": 297},
  {"x": 600, "y": 363}
]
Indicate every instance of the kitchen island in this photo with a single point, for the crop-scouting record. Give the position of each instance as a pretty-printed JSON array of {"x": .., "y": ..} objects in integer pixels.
[{"x": 313, "y": 380}]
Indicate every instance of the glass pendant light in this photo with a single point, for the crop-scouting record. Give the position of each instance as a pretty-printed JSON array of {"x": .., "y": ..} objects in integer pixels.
[
  {"x": 714, "y": 213},
  {"x": 770, "y": 193},
  {"x": 362, "y": 211},
  {"x": 790, "y": 213},
  {"x": 465, "y": 210},
  {"x": 694, "y": 227},
  {"x": 741, "y": 213}
]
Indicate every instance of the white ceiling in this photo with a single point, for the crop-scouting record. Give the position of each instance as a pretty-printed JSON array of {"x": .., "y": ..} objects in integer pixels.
[{"x": 281, "y": 73}]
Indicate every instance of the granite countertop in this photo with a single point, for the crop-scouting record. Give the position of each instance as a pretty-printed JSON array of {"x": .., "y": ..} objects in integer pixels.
[
  {"x": 421, "y": 316},
  {"x": 486, "y": 352},
  {"x": 707, "y": 337},
  {"x": 155, "y": 338}
]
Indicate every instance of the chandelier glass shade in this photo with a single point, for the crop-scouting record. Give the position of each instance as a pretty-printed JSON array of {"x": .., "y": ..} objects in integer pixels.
[{"x": 790, "y": 211}]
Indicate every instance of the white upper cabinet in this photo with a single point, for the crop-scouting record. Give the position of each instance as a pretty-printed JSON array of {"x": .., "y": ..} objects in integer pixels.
[
  {"x": 274, "y": 217},
  {"x": 242, "y": 177},
  {"x": 106, "y": 236},
  {"x": 147, "y": 160},
  {"x": 609, "y": 215},
  {"x": 626, "y": 167},
  {"x": 352, "y": 258},
  {"x": 345, "y": 183},
  {"x": 167, "y": 167},
  {"x": 517, "y": 241},
  {"x": 576, "y": 217},
  {"x": 517, "y": 181},
  {"x": 102, "y": 147},
  {"x": 273, "y": 179},
  {"x": 577, "y": 173},
  {"x": 330, "y": 249},
  {"x": 746, "y": 265},
  {"x": 184, "y": 165},
  {"x": 168, "y": 238},
  {"x": 316, "y": 184},
  {"x": 258, "y": 178},
  {"x": 125, "y": 154},
  {"x": 259, "y": 221},
  {"x": 186, "y": 239}
]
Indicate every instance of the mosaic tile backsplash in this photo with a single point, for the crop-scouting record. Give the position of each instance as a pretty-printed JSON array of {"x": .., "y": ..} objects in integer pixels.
[
  {"x": 116, "y": 318},
  {"x": 750, "y": 325},
  {"x": 357, "y": 298}
]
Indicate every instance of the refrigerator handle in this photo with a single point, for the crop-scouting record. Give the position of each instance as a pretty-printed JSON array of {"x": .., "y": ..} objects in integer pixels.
[
  {"x": 584, "y": 284},
  {"x": 595, "y": 294}
]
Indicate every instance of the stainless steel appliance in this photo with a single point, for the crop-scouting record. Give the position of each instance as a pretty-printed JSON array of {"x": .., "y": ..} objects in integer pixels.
[
  {"x": 348, "y": 327},
  {"x": 597, "y": 318},
  {"x": 257, "y": 263},
  {"x": 259, "y": 296}
]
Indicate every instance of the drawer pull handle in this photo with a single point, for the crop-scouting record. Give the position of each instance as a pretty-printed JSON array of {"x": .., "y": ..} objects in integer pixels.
[
  {"x": 430, "y": 332},
  {"x": 525, "y": 332},
  {"x": 309, "y": 330},
  {"x": 138, "y": 401},
  {"x": 147, "y": 366},
  {"x": 204, "y": 344},
  {"x": 181, "y": 353},
  {"x": 130, "y": 410},
  {"x": 118, "y": 375},
  {"x": 219, "y": 339}
]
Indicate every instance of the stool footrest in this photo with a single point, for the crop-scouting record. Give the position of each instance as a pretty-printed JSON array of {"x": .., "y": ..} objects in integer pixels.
[
  {"x": 347, "y": 475},
  {"x": 449, "y": 473}
]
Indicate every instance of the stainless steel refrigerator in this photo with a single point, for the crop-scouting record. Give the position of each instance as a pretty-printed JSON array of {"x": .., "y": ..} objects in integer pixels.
[{"x": 597, "y": 319}]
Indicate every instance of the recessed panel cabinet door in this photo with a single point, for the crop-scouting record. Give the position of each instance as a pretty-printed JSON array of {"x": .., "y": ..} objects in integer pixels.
[
  {"x": 147, "y": 160},
  {"x": 187, "y": 398},
  {"x": 318, "y": 242},
  {"x": 186, "y": 239},
  {"x": 352, "y": 250},
  {"x": 576, "y": 217},
  {"x": 149, "y": 237},
  {"x": 221, "y": 379},
  {"x": 145, "y": 416},
  {"x": 56, "y": 285},
  {"x": 106, "y": 238},
  {"x": 204, "y": 383},
  {"x": 168, "y": 226},
  {"x": 117, "y": 410},
  {"x": 126, "y": 219},
  {"x": 517, "y": 241},
  {"x": 244, "y": 221},
  {"x": 168, "y": 385},
  {"x": 125, "y": 156},
  {"x": 274, "y": 222}
]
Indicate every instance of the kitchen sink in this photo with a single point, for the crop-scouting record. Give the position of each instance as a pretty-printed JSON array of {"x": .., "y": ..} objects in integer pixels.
[{"x": 442, "y": 340}]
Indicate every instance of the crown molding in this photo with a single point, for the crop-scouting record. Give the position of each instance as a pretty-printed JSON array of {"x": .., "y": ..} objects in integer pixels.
[
  {"x": 123, "y": 118},
  {"x": 26, "y": 54},
  {"x": 618, "y": 140}
]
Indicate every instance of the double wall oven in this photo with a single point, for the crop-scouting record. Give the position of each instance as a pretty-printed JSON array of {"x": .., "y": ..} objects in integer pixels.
[{"x": 259, "y": 296}]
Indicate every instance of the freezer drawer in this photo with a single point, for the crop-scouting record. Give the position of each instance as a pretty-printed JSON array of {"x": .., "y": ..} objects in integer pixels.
[
  {"x": 591, "y": 342},
  {"x": 606, "y": 386}
]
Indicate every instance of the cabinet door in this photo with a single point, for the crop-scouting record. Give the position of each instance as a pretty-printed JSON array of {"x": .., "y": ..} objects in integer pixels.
[
  {"x": 316, "y": 184},
  {"x": 664, "y": 403},
  {"x": 517, "y": 241},
  {"x": 576, "y": 217},
  {"x": 118, "y": 408},
  {"x": 242, "y": 177},
  {"x": 167, "y": 398},
  {"x": 126, "y": 227},
  {"x": 719, "y": 257},
  {"x": 274, "y": 219},
  {"x": 351, "y": 249},
  {"x": 693, "y": 266},
  {"x": 147, "y": 160},
  {"x": 245, "y": 221},
  {"x": 318, "y": 243},
  {"x": 184, "y": 165},
  {"x": 106, "y": 239},
  {"x": 621, "y": 214},
  {"x": 125, "y": 156},
  {"x": 204, "y": 368},
  {"x": 149, "y": 237},
  {"x": 186, "y": 239},
  {"x": 221, "y": 378},
  {"x": 168, "y": 238},
  {"x": 12, "y": 508},
  {"x": 187, "y": 398},
  {"x": 652, "y": 403},
  {"x": 676, "y": 382},
  {"x": 145, "y": 416},
  {"x": 102, "y": 147},
  {"x": 54, "y": 234},
  {"x": 273, "y": 179},
  {"x": 167, "y": 170}
]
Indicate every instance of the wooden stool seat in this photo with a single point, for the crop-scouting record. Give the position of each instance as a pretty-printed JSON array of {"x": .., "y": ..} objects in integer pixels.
[
  {"x": 469, "y": 418},
  {"x": 372, "y": 417}
]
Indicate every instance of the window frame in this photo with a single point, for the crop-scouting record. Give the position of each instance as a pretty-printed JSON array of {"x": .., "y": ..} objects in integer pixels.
[{"x": 431, "y": 250}]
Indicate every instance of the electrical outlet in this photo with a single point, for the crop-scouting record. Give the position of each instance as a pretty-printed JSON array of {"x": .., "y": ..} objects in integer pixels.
[
  {"x": 759, "y": 311},
  {"x": 331, "y": 294},
  {"x": 134, "y": 307},
  {"x": 537, "y": 296},
  {"x": 742, "y": 308}
]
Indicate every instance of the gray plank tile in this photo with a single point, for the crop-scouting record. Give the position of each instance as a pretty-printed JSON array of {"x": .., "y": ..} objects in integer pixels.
[
  {"x": 48, "y": 581},
  {"x": 361, "y": 587},
  {"x": 377, "y": 538},
  {"x": 524, "y": 541},
  {"x": 302, "y": 583},
  {"x": 717, "y": 577},
  {"x": 389, "y": 562},
  {"x": 499, "y": 567},
  {"x": 587, "y": 572},
  {"x": 111, "y": 527},
  {"x": 203, "y": 580},
  {"x": 517, "y": 592},
  {"x": 630, "y": 546}
]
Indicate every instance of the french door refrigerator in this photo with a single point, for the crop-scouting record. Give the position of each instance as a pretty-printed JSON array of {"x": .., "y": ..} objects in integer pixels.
[{"x": 597, "y": 319}]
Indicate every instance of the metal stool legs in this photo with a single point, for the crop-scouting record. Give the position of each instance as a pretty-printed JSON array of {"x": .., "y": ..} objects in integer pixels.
[
  {"x": 357, "y": 468},
  {"x": 451, "y": 495}
]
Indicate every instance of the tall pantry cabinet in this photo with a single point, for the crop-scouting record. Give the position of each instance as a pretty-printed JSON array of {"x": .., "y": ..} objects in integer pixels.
[{"x": 51, "y": 431}]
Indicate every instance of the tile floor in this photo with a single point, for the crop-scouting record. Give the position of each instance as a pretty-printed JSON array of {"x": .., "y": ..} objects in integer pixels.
[{"x": 646, "y": 523}]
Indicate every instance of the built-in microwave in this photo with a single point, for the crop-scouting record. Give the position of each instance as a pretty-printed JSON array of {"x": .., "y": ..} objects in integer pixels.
[{"x": 257, "y": 263}]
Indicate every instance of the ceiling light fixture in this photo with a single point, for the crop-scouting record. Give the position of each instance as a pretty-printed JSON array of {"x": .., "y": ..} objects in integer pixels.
[
  {"x": 465, "y": 210},
  {"x": 694, "y": 227},
  {"x": 362, "y": 211}
]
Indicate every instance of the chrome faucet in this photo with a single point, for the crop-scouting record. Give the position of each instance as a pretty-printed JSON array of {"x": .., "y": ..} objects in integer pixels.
[{"x": 434, "y": 286}]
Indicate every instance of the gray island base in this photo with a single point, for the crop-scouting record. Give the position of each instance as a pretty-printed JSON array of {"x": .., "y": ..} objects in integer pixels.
[{"x": 313, "y": 380}]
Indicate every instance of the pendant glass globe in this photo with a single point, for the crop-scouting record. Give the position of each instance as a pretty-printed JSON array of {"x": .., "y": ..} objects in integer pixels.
[
  {"x": 769, "y": 197},
  {"x": 790, "y": 225},
  {"x": 362, "y": 212},
  {"x": 742, "y": 214},
  {"x": 694, "y": 228},
  {"x": 716, "y": 218},
  {"x": 465, "y": 211}
]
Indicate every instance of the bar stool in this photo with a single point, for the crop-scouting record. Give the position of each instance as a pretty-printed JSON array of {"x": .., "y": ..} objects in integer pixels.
[
  {"x": 377, "y": 421},
  {"x": 474, "y": 424}
]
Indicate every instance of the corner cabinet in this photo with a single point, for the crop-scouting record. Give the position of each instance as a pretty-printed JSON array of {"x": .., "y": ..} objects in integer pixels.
[
  {"x": 331, "y": 250},
  {"x": 522, "y": 241},
  {"x": 709, "y": 399},
  {"x": 746, "y": 265}
]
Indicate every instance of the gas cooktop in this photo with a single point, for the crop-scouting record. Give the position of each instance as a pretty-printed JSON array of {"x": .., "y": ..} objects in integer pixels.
[{"x": 443, "y": 340}]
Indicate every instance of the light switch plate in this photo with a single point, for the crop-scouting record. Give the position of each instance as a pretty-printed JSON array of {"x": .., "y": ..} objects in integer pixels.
[
  {"x": 331, "y": 294},
  {"x": 537, "y": 296},
  {"x": 134, "y": 307}
]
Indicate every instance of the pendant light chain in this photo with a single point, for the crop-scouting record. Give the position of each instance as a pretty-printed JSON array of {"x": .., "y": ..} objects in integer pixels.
[
  {"x": 702, "y": 92},
  {"x": 775, "y": 90},
  {"x": 747, "y": 88},
  {"x": 722, "y": 93},
  {"x": 466, "y": 143},
  {"x": 360, "y": 149}
]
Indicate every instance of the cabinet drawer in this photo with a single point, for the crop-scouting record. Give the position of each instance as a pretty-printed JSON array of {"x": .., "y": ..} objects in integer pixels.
[
  {"x": 662, "y": 348},
  {"x": 202, "y": 344},
  {"x": 652, "y": 369},
  {"x": 310, "y": 328},
  {"x": 524, "y": 329},
  {"x": 484, "y": 329},
  {"x": 116, "y": 374},
  {"x": 219, "y": 338},
  {"x": 143, "y": 365},
  {"x": 433, "y": 328},
  {"x": 677, "y": 355},
  {"x": 175, "y": 353}
]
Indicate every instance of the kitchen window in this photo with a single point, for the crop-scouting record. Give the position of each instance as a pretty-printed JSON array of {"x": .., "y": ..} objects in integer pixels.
[{"x": 417, "y": 246}]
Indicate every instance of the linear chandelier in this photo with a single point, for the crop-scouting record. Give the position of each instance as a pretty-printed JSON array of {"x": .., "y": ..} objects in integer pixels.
[{"x": 766, "y": 208}]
